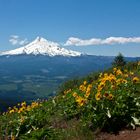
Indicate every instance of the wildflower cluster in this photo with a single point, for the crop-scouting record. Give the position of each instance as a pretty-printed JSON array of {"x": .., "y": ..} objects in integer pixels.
[
  {"x": 106, "y": 87},
  {"x": 23, "y": 107},
  {"x": 23, "y": 118},
  {"x": 82, "y": 93},
  {"x": 110, "y": 83},
  {"x": 113, "y": 93}
]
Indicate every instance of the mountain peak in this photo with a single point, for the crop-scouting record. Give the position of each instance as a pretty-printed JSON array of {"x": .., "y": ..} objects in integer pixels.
[
  {"x": 41, "y": 46},
  {"x": 38, "y": 39}
]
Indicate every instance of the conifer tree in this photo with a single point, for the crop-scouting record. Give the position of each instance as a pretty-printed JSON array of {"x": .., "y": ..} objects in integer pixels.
[{"x": 119, "y": 61}]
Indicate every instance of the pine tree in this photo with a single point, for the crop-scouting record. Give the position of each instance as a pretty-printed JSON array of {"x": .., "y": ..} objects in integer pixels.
[{"x": 119, "y": 61}]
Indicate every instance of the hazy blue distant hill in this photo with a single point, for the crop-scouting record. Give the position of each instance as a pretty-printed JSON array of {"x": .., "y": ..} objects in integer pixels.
[{"x": 57, "y": 65}]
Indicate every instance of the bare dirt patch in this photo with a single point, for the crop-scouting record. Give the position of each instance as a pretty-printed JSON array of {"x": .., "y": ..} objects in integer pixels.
[{"x": 122, "y": 135}]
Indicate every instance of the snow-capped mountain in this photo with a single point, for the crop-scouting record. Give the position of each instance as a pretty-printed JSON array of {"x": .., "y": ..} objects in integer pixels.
[{"x": 41, "y": 46}]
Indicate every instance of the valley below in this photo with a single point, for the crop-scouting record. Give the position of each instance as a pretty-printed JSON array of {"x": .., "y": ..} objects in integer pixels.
[{"x": 27, "y": 78}]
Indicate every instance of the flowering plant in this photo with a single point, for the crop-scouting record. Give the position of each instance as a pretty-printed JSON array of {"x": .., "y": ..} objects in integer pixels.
[{"x": 110, "y": 103}]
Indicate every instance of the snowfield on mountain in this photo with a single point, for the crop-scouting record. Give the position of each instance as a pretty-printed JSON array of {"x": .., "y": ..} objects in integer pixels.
[{"x": 41, "y": 46}]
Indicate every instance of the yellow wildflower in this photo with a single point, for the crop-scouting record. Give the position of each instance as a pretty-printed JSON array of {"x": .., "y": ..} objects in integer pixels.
[
  {"x": 112, "y": 78},
  {"x": 89, "y": 88},
  {"x": 82, "y": 88},
  {"x": 29, "y": 108},
  {"x": 80, "y": 100},
  {"x": 74, "y": 94},
  {"x": 11, "y": 111},
  {"x": 100, "y": 75},
  {"x": 135, "y": 79},
  {"x": 101, "y": 86},
  {"x": 23, "y": 104},
  {"x": 131, "y": 73},
  {"x": 114, "y": 69},
  {"x": 126, "y": 75},
  {"x": 98, "y": 96},
  {"x": 21, "y": 110},
  {"x": 119, "y": 72},
  {"x": 87, "y": 94},
  {"x": 85, "y": 82},
  {"x": 120, "y": 81},
  {"x": 81, "y": 103},
  {"x": 105, "y": 75},
  {"x": 13, "y": 138},
  {"x": 110, "y": 97}
]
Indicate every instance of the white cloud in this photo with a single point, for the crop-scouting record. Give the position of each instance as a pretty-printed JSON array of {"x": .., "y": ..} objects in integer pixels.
[
  {"x": 13, "y": 41},
  {"x": 72, "y": 41},
  {"x": 23, "y": 42},
  {"x": 15, "y": 36},
  {"x": 16, "y": 40}
]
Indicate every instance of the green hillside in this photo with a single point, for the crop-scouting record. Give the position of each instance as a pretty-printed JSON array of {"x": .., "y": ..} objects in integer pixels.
[{"x": 107, "y": 101}]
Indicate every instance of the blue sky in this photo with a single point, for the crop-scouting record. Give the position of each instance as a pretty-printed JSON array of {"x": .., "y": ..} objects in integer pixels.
[{"x": 59, "y": 20}]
